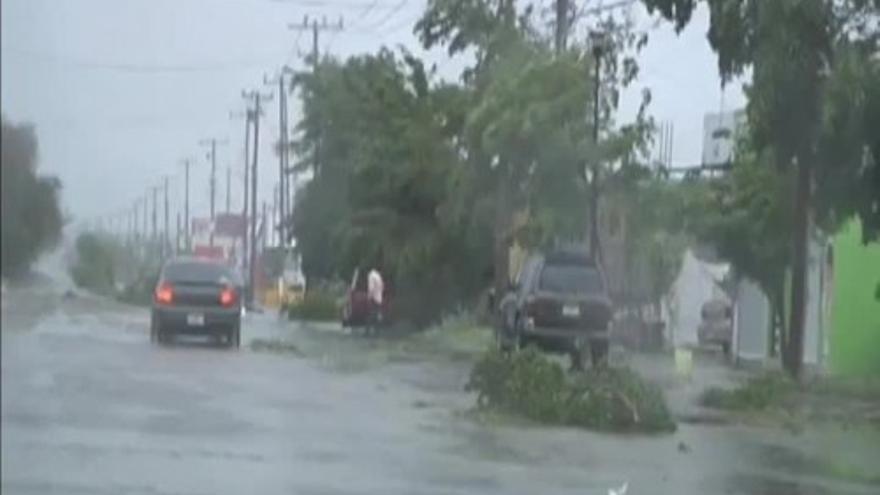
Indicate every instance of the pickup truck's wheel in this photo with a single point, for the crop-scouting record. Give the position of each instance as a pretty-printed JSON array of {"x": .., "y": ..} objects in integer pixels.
[
  {"x": 599, "y": 353},
  {"x": 577, "y": 357},
  {"x": 507, "y": 342}
]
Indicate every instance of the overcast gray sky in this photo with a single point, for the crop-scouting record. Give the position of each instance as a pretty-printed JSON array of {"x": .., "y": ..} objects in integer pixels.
[{"x": 121, "y": 90}]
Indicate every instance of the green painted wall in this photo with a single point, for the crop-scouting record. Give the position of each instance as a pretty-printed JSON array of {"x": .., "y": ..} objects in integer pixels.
[{"x": 855, "y": 310}]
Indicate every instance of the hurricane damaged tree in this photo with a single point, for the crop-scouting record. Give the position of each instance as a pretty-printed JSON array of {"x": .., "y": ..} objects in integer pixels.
[
  {"x": 31, "y": 215},
  {"x": 528, "y": 138},
  {"x": 745, "y": 217},
  {"x": 792, "y": 48}
]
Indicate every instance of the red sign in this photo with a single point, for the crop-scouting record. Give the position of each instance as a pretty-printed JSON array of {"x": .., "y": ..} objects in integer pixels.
[{"x": 211, "y": 252}]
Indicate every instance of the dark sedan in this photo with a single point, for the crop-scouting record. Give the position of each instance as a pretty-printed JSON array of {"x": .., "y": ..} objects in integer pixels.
[{"x": 196, "y": 297}]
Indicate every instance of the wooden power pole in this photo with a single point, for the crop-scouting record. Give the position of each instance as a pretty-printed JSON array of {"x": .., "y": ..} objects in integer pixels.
[{"x": 257, "y": 99}]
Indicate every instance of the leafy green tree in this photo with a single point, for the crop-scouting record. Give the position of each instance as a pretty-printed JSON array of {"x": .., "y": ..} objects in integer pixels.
[
  {"x": 381, "y": 194},
  {"x": 528, "y": 137},
  {"x": 847, "y": 182},
  {"x": 744, "y": 215},
  {"x": 96, "y": 261},
  {"x": 651, "y": 211},
  {"x": 31, "y": 218},
  {"x": 426, "y": 178},
  {"x": 793, "y": 48}
]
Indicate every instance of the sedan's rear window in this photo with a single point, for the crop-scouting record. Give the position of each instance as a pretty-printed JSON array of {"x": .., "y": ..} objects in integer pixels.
[
  {"x": 570, "y": 279},
  {"x": 198, "y": 272}
]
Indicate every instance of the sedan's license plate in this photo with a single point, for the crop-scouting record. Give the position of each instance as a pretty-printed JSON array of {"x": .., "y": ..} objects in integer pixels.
[
  {"x": 195, "y": 319},
  {"x": 571, "y": 310}
]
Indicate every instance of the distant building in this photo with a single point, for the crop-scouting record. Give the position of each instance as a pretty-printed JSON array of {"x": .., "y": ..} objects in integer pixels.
[
  {"x": 228, "y": 231},
  {"x": 720, "y": 132}
]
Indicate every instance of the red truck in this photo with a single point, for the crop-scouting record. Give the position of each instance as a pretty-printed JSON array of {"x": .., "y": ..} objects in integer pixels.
[{"x": 356, "y": 309}]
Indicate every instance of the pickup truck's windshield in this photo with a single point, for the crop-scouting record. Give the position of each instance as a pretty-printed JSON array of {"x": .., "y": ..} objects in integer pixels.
[{"x": 570, "y": 279}]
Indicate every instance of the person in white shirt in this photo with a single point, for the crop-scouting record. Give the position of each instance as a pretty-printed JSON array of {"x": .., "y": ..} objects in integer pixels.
[{"x": 375, "y": 292}]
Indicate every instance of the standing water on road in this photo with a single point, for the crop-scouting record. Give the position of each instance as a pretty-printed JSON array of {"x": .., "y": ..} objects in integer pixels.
[{"x": 440, "y": 247}]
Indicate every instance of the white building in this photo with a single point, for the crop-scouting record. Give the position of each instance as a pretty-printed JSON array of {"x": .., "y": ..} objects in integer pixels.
[{"x": 720, "y": 132}]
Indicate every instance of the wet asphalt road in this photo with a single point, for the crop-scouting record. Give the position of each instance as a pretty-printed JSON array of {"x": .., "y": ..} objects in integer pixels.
[{"x": 89, "y": 406}]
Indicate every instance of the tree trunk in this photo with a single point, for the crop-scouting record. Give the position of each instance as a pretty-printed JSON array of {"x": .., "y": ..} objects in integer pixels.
[
  {"x": 777, "y": 323},
  {"x": 501, "y": 238},
  {"x": 595, "y": 238},
  {"x": 795, "y": 341}
]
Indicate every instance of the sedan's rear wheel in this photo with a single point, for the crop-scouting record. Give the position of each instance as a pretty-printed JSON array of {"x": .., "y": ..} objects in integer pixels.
[
  {"x": 234, "y": 337},
  {"x": 154, "y": 330}
]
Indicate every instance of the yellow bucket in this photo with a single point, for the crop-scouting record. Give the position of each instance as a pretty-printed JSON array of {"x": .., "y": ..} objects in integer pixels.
[{"x": 684, "y": 362}]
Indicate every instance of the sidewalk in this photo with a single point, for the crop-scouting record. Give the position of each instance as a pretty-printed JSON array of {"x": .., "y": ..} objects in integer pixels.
[{"x": 683, "y": 392}]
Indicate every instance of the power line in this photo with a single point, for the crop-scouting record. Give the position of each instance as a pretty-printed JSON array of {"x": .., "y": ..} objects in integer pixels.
[
  {"x": 334, "y": 3},
  {"x": 389, "y": 15},
  {"x": 133, "y": 68},
  {"x": 394, "y": 28},
  {"x": 584, "y": 11},
  {"x": 316, "y": 29},
  {"x": 362, "y": 16}
]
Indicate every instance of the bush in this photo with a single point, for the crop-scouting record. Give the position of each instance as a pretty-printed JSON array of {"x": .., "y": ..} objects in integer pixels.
[
  {"x": 140, "y": 290},
  {"x": 758, "y": 393},
  {"x": 458, "y": 334},
  {"x": 94, "y": 266},
  {"x": 316, "y": 306},
  {"x": 530, "y": 385},
  {"x": 30, "y": 216}
]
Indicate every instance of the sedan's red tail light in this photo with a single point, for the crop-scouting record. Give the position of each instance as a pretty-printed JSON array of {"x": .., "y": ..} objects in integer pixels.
[
  {"x": 228, "y": 297},
  {"x": 164, "y": 293}
]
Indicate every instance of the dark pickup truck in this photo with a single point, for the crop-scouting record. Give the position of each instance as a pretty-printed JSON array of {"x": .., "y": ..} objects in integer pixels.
[{"x": 559, "y": 303}]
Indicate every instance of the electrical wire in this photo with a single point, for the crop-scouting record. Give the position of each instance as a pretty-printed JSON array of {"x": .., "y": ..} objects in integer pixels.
[
  {"x": 391, "y": 12},
  {"x": 133, "y": 68},
  {"x": 362, "y": 17}
]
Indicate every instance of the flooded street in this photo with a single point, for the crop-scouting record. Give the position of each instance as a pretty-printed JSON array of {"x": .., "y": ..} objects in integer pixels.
[{"x": 90, "y": 406}]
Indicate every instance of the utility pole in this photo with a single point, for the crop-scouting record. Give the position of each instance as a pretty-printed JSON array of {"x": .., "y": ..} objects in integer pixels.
[
  {"x": 228, "y": 190},
  {"x": 597, "y": 40},
  {"x": 177, "y": 236},
  {"x": 284, "y": 149},
  {"x": 276, "y": 195},
  {"x": 146, "y": 220},
  {"x": 265, "y": 231},
  {"x": 248, "y": 117},
  {"x": 186, "y": 226},
  {"x": 212, "y": 155},
  {"x": 155, "y": 236},
  {"x": 257, "y": 113},
  {"x": 136, "y": 224},
  {"x": 316, "y": 29},
  {"x": 165, "y": 236},
  {"x": 561, "y": 25}
]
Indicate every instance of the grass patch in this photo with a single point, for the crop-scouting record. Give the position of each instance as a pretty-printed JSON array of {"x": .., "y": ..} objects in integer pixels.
[
  {"x": 315, "y": 306},
  {"x": 530, "y": 385},
  {"x": 861, "y": 388},
  {"x": 459, "y": 335},
  {"x": 777, "y": 399},
  {"x": 757, "y": 394},
  {"x": 275, "y": 345}
]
